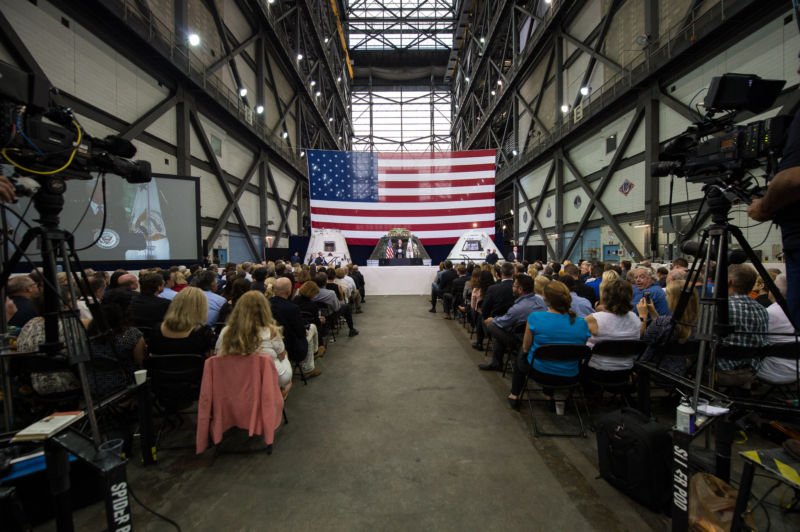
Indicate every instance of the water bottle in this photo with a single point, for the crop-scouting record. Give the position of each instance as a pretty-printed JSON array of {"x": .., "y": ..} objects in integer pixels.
[{"x": 685, "y": 417}]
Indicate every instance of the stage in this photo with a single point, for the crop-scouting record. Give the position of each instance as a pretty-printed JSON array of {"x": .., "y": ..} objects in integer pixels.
[{"x": 398, "y": 280}]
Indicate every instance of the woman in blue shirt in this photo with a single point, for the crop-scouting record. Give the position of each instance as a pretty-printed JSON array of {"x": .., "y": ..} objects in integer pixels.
[{"x": 559, "y": 325}]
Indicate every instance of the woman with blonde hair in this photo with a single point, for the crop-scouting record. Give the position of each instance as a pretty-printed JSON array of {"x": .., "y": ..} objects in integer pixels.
[
  {"x": 608, "y": 277},
  {"x": 179, "y": 280},
  {"x": 656, "y": 329},
  {"x": 251, "y": 329},
  {"x": 184, "y": 330},
  {"x": 269, "y": 284}
]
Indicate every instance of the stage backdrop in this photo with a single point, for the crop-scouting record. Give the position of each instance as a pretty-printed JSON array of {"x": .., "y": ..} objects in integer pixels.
[{"x": 437, "y": 196}]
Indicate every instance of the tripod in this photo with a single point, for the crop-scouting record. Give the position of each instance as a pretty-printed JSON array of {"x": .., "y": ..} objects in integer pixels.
[
  {"x": 713, "y": 321},
  {"x": 56, "y": 243}
]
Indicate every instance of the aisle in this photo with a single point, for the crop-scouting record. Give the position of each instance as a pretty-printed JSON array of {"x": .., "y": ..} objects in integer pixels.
[{"x": 400, "y": 432}]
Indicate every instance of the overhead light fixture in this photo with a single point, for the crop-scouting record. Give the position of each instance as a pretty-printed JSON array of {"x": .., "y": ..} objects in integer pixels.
[
  {"x": 474, "y": 224},
  {"x": 330, "y": 119},
  {"x": 340, "y": 137},
  {"x": 194, "y": 39},
  {"x": 302, "y": 154},
  {"x": 271, "y": 1},
  {"x": 500, "y": 82},
  {"x": 504, "y": 227},
  {"x": 318, "y": 94},
  {"x": 466, "y": 79},
  {"x": 483, "y": 40},
  {"x": 565, "y": 108},
  {"x": 299, "y": 57},
  {"x": 339, "y": 79},
  {"x": 640, "y": 226},
  {"x": 313, "y": 82},
  {"x": 511, "y": 212},
  {"x": 586, "y": 90},
  {"x": 513, "y": 153},
  {"x": 548, "y": 2},
  {"x": 494, "y": 92},
  {"x": 259, "y": 109},
  {"x": 242, "y": 92},
  {"x": 285, "y": 134},
  {"x": 326, "y": 40}
]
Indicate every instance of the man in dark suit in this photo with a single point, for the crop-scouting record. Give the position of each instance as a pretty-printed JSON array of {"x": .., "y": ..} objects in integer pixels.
[
  {"x": 580, "y": 288},
  {"x": 448, "y": 276},
  {"x": 147, "y": 309},
  {"x": 512, "y": 255},
  {"x": 320, "y": 260},
  {"x": 359, "y": 280},
  {"x": 498, "y": 299},
  {"x": 454, "y": 296},
  {"x": 491, "y": 257},
  {"x": 287, "y": 314},
  {"x": 399, "y": 250}
]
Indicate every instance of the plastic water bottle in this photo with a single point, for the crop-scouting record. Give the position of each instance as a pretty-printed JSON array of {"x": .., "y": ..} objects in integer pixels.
[{"x": 685, "y": 418}]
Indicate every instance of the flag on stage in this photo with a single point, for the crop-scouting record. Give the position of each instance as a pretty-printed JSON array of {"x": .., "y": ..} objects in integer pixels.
[
  {"x": 389, "y": 251},
  {"x": 437, "y": 196}
]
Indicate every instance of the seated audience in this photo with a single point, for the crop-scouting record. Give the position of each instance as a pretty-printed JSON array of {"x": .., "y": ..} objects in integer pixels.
[
  {"x": 596, "y": 272},
  {"x": 178, "y": 281},
  {"x": 775, "y": 369},
  {"x": 184, "y": 330},
  {"x": 207, "y": 282},
  {"x": 580, "y": 305},
  {"x": 21, "y": 289},
  {"x": 252, "y": 329},
  {"x": 454, "y": 298},
  {"x": 751, "y": 322},
  {"x": 239, "y": 288},
  {"x": 501, "y": 328},
  {"x": 662, "y": 273},
  {"x": 760, "y": 291},
  {"x": 559, "y": 325},
  {"x": 655, "y": 329},
  {"x": 122, "y": 345},
  {"x": 300, "y": 342},
  {"x": 579, "y": 287},
  {"x": 358, "y": 277},
  {"x": 167, "y": 292},
  {"x": 147, "y": 309},
  {"x": 615, "y": 322},
  {"x": 447, "y": 276},
  {"x": 259, "y": 276},
  {"x": 644, "y": 284},
  {"x": 331, "y": 303},
  {"x": 485, "y": 280}
]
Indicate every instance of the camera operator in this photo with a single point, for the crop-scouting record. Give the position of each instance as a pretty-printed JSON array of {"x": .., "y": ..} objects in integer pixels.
[{"x": 780, "y": 204}]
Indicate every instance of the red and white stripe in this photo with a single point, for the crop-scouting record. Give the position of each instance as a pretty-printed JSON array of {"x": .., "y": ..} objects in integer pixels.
[{"x": 437, "y": 196}]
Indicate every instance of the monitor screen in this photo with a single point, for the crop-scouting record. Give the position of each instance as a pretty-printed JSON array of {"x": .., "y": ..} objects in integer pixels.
[
  {"x": 472, "y": 245},
  {"x": 330, "y": 245},
  {"x": 155, "y": 221}
]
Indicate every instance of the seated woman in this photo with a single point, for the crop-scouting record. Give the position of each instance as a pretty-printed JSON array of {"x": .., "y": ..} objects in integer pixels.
[
  {"x": 615, "y": 322},
  {"x": 180, "y": 281},
  {"x": 252, "y": 329},
  {"x": 240, "y": 287},
  {"x": 485, "y": 280},
  {"x": 559, "y": 325},
  {"x": 309, "y": 310},
  {"x": 117, "y": 353},
  {"x": 184, "y": 330},
  {"x": 32, "y": 334},
  {"x": 655, "y": 329}
]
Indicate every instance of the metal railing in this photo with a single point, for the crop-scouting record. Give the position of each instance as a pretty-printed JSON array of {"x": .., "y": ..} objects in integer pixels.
[
  {"x": 638, "y": 68},
  {"x": 162, "y": 36}
]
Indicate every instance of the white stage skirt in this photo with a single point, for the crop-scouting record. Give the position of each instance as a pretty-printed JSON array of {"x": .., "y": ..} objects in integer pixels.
[{"x": 398, "y": 280}]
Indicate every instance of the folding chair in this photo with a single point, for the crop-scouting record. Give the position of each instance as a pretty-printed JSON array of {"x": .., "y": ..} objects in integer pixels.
[
  {"x": 175, "y": 381},
  {"x": 787, "y": 351},
  {"x": 616, "y": 381},
  {"x": 560, "y": 353},
  {"x": 518, "y": 332}
]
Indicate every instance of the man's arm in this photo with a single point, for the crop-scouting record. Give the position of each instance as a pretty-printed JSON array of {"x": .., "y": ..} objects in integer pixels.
[
  {"x": 7, "y": 193},
  {"x": 783, "y": 190}
]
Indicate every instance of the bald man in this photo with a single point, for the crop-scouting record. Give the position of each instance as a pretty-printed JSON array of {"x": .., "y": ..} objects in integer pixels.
[
  {"x": 295, "y": 335},
  {"x": 129, "y": 282}
]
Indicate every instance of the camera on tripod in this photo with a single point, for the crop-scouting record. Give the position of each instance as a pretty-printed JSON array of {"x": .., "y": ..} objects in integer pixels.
[
  {"x": 716, "y": 149},
  {"x": 42, "y": 139}
]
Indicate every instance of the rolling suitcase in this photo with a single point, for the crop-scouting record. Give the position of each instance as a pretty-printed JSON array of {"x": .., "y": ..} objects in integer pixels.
[{"x": 634, "y": 455}]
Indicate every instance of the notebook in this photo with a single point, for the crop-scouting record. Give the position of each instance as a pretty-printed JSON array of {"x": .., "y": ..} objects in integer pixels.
[{"x": 46, "y": 427}]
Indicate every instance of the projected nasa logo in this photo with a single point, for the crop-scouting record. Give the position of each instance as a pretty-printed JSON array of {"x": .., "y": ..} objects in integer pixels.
[{"x": 108, "y": 240}]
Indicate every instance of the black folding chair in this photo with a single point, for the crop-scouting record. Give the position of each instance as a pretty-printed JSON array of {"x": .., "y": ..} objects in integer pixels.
[
  {"x": 786, "y": 351},
  {"x": 560, "y": 353},
  {"x": 175, "y": 381},
  {"x": 617, "y": 382},
  {"x": 518, "y": 334}
]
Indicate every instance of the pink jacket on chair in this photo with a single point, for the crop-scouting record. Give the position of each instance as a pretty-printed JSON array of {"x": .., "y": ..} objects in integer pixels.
[{"x": 238, "y": 391}]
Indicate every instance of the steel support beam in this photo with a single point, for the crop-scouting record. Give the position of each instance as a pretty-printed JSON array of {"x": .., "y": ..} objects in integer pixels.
[
  {"x": 146, "y": 120},
  {"x": 535, "y": 211},
  {"x": 594, "y": 197},
  {"x": 607, "y": 216},
  {"x": 278, "y": 202},
  {"x": 651, "y": 149}
]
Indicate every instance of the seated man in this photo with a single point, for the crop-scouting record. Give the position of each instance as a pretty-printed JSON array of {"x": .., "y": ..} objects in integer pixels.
[
  {"x": 207, "y": 282},
  {"x": 501, "y": 327},
  {"x": 448, "y": 276},
  {"x": 147, "y": 309},
  {"x": 295, "y": 334},
  {"x": 332, "y": 304},
  {"x": 596, "y": 277},
  {"x": 21, "y": 289},
  {"x": 359, "y": 279},
  {"x": 644, "y": 284},
  {"x": 751, "y": 322},
  {"x": 580, "y": 305},
  {"x": 775, "y": 369},
  {"x": 454, "y": 297},
  {"x": 498, "y": 299}
]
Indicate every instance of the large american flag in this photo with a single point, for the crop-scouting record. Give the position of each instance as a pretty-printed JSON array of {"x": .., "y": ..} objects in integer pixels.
[{"x": 437, "y": 196}]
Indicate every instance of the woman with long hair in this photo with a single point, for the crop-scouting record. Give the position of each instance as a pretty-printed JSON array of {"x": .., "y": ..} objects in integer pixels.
[
  {"x": 658, "y": 330},
  {"x": 179, "y": 280},
  {"x": 614, "y": 322},
  {"x": 252, "y": 329},
  {"x": 184, "y": 330},
  {"x": 485, "y": 280},
  {"x": 559, "y": 325}
]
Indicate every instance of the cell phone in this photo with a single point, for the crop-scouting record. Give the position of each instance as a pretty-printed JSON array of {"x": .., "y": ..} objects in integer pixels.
[{"x": 647, "y": 297}]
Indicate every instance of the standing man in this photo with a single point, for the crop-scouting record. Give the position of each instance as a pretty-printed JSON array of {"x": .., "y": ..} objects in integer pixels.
[
  {"x": 491, "y": 257},
  {"x": 295, "y": 259},
  {"x": 320, "y": 260},
  {"x": 513, "y": 256}
]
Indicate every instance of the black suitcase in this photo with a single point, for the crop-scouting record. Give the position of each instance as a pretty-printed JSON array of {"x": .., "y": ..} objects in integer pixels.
[{"x": 634, "y": 455}]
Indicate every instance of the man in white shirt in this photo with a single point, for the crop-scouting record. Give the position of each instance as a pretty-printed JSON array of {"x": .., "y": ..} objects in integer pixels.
[{"x": 778, "y": 370}]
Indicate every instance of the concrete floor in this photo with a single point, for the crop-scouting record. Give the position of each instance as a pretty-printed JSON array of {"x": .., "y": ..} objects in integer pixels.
[{"x": 400, "y": 432}]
